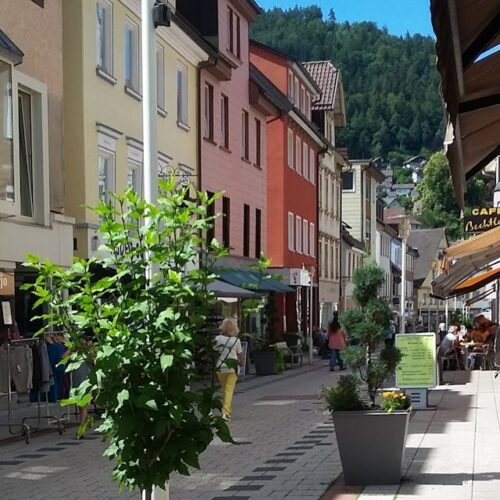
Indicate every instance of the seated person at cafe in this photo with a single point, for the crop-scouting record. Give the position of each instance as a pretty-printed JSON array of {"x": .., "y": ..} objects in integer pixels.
[
  {"x": 447, "y": 344},
  {"x": 467, "y": 336}
]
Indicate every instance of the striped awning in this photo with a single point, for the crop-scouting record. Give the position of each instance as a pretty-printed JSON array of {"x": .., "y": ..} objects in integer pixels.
[{"x": 476, "y": 282}]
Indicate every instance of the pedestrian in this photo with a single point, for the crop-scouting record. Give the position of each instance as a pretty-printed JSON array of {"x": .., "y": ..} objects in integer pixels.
[
  {"x": 229, "y": 347},
  {"x": 390, "y": 334},
  {"x": 336, "y": 343}
]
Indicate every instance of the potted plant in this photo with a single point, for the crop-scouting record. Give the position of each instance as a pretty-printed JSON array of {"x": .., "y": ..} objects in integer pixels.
[{"x": 371, "y": 438}]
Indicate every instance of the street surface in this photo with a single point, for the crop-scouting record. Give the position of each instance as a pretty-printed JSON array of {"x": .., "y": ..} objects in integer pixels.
[{"x": 286, "y": 449}]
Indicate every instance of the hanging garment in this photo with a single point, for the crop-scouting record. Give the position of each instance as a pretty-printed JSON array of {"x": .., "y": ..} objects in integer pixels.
[
  {"x": 4, "y": 370},
  {"x": 21, "y": 367},
  {"x": 45, "y": 369},
  {"x": 37, "y": 368},
  {"x": 56, "y": 353}
]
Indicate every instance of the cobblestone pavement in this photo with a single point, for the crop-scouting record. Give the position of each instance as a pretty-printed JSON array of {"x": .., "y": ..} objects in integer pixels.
[{"x": 286, "y": 449}]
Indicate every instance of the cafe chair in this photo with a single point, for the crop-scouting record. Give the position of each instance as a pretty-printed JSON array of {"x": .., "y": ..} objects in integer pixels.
[{"x": 449, "y": 356}]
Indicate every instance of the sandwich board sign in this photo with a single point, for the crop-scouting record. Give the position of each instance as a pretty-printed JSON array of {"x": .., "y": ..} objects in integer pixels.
[{"x": 417, "y": 371}]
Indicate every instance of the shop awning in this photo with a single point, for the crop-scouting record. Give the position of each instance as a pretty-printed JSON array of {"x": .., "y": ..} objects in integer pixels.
[
  {"x": 464, "y": 260},
  {"x": 476, "y": 282},
  {"x": 480, "y": 296},
  {"x": 226, "y": 290},
  {"x": 251, "y": 280},
  {"x": 467, "y": 33}
]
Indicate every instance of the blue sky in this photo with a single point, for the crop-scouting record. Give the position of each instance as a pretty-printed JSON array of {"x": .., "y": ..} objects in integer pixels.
[{"x": 399, "y": 16}]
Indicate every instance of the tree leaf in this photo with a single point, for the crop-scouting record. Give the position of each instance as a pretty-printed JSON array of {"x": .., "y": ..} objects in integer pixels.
[{"x": 166, "y": 361}]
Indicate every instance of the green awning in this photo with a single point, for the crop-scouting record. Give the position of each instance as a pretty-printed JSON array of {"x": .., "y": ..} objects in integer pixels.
[{"x": 252, "y": 280}]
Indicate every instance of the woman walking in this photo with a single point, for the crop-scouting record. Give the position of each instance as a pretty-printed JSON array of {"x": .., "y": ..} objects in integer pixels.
[
  {"x": 336, "y": 343},
  {"x": 229, "y": 347}
]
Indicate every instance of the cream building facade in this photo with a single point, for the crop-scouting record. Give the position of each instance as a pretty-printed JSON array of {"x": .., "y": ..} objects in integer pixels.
[
  {"x": 103, "y": 105},
  {"x": 328, "y": 113},
  {"x": 32, "y": 198}
]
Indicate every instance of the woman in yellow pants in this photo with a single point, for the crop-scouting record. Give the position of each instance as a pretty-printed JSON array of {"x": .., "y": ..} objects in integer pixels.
[{"x": 229, "y": 347}]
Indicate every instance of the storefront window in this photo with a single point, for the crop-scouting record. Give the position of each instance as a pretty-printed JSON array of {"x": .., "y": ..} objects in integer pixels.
[{"x": 6, "y": 135}]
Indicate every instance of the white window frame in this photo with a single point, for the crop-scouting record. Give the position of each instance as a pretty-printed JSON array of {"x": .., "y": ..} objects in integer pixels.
[
  {"x": 110, "y": 183},
  {"x": 290, "y": 148},
  {"x": 137, "y": 168},
  {"x": 312, "y": 166},
  {"x": 305, "y": 160},
  {"x": 134, "y": 82},
  {"x": 40, "y": 149},
  {"x": 305, "y": 237},
  {"x": 296, "y": 91},
  {"x": 209, "y": 119},
  {"x": 182, "y": 95},
  {"x": 291, "y": 235},
  {"x": 160, "y": 77},
  {"x": 105, "y": 66},
  {"x": 298, "y": 154},
  {"x": 298, "y": 234},
  {"x": 290, "y": 86},
  {"x": 312, "y": 239}
]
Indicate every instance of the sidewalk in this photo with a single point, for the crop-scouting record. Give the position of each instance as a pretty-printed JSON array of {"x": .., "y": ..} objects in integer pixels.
[{"x": 287, "y": 449}]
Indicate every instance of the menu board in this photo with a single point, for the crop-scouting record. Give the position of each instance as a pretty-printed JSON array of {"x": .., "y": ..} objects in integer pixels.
[{"x": 418, "y": 365}]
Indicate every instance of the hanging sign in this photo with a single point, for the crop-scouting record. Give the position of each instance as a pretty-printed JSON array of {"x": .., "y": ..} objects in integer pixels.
[
  {"x": 418, "y": 365},
  {"x": 7, "y": 283},
  {"x": 482, "y": 219}
]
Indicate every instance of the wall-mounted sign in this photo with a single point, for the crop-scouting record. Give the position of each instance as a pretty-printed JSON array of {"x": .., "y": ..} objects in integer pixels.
[
  {"x": 482, "y": 219},
  {"x": 7, "y": 284},
  {"x": 418, "y": 365}
]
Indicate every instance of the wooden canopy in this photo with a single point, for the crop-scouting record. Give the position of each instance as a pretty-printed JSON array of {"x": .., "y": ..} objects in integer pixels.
[{"x": 466, "y": 31}]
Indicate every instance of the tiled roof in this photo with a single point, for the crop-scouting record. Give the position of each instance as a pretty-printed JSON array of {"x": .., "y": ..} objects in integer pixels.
[
  {"x": 325, "y": 75},
  {"x": 426, "y": 241}
]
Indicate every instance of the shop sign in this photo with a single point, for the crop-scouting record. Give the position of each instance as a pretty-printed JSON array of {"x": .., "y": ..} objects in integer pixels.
[
  {"x": 417, "y": 369},
  {"x": 482, "y": 219},
  {"x": 7, "y": 283}
]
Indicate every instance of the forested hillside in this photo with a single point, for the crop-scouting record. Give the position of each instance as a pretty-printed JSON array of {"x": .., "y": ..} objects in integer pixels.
[{"x": 392, "y": 87}]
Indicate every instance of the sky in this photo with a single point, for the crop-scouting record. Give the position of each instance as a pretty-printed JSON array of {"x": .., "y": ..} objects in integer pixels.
[{"x": 399, "y": 16}]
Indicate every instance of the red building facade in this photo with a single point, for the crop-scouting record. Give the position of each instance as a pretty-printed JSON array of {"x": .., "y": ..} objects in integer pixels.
[{"x": 292, "y": 175}]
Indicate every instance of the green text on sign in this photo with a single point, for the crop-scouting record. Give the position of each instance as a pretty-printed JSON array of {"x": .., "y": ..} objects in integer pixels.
[{"x": 418, "y": 366}]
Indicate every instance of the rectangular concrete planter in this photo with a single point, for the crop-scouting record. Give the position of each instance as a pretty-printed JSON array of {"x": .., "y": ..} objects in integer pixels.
[{"x": 371, "y": 445}]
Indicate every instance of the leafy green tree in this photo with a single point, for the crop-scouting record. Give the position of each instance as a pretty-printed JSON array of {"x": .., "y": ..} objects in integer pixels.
[
  {"x": 406, "y": 202},
  {"x": 401, "y": 175},
  {"x": 147, "y": 316},
  {"x": 391, "y": 83}
]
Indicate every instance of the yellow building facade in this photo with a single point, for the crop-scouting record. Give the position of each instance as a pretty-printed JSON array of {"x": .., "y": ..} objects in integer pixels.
[{"x": 103, "y": 106}]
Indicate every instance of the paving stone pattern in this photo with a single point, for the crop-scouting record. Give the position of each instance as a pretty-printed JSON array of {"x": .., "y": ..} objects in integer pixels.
[{"x": 286, "y": 449}]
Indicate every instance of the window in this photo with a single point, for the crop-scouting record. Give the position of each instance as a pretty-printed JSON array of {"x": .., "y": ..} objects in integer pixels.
[
  {"x": 290, "y": 86},
  {"x": 238, "y": 36},
  {"x": 209, "y": 112},
  {"x": 312, "y": 166},
  {"x": 308, "y": 105},
  {"x": 246, "y": 230},
  {"x": 291, "y": 239},
  {"x": 244, "y": 135},
  {"x": 312, "y": 240},
  {"x": 106, "y": 175},
  {"x": 305, "y": 160},
  {"x": 131, "y": 55},
  {"x": 182, "y": 97},
  {"x": 224, "y": 121},
  {"x": 368, "y": 194},
  {"x": 7, "y": 184},
  {"x": 230, "y": 27},
  {"x": 296, "y": 91},
  {"x": 302, "y": 99},
  {"x": 104, "y": 38},
  {"x": 290, "y": 148},
  {"x": 298, "y": 154},
  {"x": 258, "y": 233},
  {"x": 134, "y": 177},
  {"x": 160, "y": 76},
  {"x": 305, "y": 237},
  {"x": 211, "y": 215},
  {"x": 258, "y": 144},
  {"x": 298, "y": 234},
  {"x": 368, "y": 231},
  {"x": 348, "y": 182},
  {"x": 23, "y": 129},
  {"x": 226, "y": 222}
]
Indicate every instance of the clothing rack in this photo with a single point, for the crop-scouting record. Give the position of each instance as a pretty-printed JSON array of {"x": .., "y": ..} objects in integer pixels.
[{"x": 26, "y": 429}]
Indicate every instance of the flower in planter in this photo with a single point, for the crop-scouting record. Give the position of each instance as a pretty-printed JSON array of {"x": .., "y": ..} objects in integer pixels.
[{"x": 395, "y": 400}]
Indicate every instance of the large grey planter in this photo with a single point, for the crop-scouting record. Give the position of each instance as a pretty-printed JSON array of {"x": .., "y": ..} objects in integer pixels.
[{"x": 371, "y": 445}]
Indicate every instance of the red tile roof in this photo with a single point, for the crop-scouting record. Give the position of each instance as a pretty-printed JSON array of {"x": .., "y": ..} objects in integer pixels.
[{"x": 325, "y": 75}]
